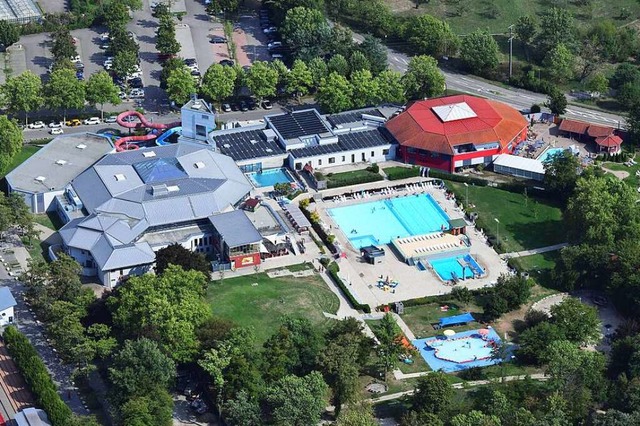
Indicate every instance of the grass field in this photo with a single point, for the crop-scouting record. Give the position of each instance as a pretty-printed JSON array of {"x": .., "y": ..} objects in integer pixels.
[
  {"x": 464, "y": 16},
  {"x": 263, "y": 305},
  {"x": 420, "y": 318},
  {"x": 632, "y": 179},
  {"x": 26, "y": 152},
  {"x": 525, "y": 223}
]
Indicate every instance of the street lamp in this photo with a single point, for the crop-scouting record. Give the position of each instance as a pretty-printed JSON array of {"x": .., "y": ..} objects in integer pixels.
[
  {"x": 466, "y": 199},
  {"x": 497, "y": 231}
]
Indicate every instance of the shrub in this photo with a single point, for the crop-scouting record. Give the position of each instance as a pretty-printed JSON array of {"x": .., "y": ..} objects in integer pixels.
[
  {"x": 473, "y": 373},
  {"x": 396, "y": 173},
  {"x": 37, "y": 377},
  {"x": 535, "y": 108},
  {"x": 333, "y": 270},
  {"x": 353, "y": 180},
  {"x": 374, "y": 168}
]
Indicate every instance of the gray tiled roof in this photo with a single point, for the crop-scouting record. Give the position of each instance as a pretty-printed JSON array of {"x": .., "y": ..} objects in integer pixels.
[
  {"x": 235, "y": 228},
  {"x": 6, "y": 299}
]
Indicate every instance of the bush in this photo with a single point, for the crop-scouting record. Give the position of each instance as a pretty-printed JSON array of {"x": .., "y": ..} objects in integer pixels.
[
  {"x": 37, "y": 377},
  {"x": 374, "y": 168},
  {"x": 535, "y": 108},
  {"x": 353, "y": 180},
  {"x": 396, "y": 173},
  {"x": 333, "y": 270},
  {"x": 321, "y": 232},
  {"x": 473, "y": 373}
]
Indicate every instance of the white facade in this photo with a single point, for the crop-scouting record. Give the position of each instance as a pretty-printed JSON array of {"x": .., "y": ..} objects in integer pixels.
[
  {"x": 112, "y": 278},
  {"x": 364, "y": 155},
  {"x": 6, "y": 317}
]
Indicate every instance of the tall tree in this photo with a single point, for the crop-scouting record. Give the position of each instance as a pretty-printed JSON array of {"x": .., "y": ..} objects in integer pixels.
[
  {"x": 338, "y": 64},
  {"x": 556, "y": 26},
  {"x": 428, "y": 35},
  {"x": 23, "y": 94},
  {"x": 219, "y": 82},
  {"x": 579, "y": 322},
  {"x": 423, "y": 79},
  {"x": 102, "y": 90},
  {"x": 557, "y": 101},
  {"x": 334, "y": 93},
  {"x": 365, "y": 89},
  {"x": 525, "y": 29},
  {"x": 299, "y": 80},
  {"x": 390, "y": 346},
  {"x": 433, "y": 394},
  {"x": 175, "y": 254},
  {"x": 560, "y": 63},
  {"x": 180, "y": 85},
  {"x": 64, "y": 91},
  {"x": 9, "y": 33},
  {"x": 391, "y": 87},
  {"x": 297, "y": 401},
  {"x": 376, "y": 53},
  {"x": 357, "y": 414},
  {"x": 243, "y": 410},
  {"x": 63, "y": 46},
  {"x": 306, "y": 32},
  {"x": 358, "y": 62},
  {"x": 155, "y": 408},
  {"x": 124, "y": 62},
  {"x": 339, "y": 364},
  {"x": 166, "y": 42},
  {"x": 479, "y": 51},
  {"x": 561, "y": 174},
  {"x": 10, "y": 143},
  {"x": 262, "y": 80},
  {"x": 116, "y": 15},
  {"x": 319, "y": 70}
]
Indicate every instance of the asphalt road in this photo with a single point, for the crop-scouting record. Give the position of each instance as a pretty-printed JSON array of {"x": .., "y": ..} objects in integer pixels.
[{"x": 517, "y": 98}]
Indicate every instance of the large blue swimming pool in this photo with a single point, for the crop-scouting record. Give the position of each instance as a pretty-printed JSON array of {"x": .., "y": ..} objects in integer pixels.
[
  {"x": 378, "y": 222},
  {"x": 549, "y": 154},
  {"x": 447, "y": 267},
  {"x": 269, "y": 177}
]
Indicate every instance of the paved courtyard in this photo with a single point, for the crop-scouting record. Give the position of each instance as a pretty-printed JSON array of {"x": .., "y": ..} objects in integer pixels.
[{"x": 413, "y": 283}]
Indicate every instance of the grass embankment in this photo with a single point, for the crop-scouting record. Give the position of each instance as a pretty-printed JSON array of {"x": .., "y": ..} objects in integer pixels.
[
  {"x": 26, "y": 152},
  {"x": 263, "y": 305}
]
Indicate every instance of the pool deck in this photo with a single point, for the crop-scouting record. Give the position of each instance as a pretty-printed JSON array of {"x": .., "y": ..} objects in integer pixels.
[{"x": 362, "y": 277}]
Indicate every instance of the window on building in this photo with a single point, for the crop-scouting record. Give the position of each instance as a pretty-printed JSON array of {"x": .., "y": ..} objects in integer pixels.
[
  {"x": 332, "y": 160},
  {"x": 298, "y": 166},
  {"x": 319, "y": 162},
  {"x": 385, "y": 152},
  {"x": 344, "y": 158},
  {"x": 373, "y": 153},
  {"x": 201, "y": 130}
]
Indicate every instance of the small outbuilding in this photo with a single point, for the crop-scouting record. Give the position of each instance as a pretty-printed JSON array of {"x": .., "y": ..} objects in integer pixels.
[
  {"x": 513, "y": 165},
  {"x": 372, "y": 254},
  {"x": 7, "y": 303},
  {"x": 610, "y": 144}
]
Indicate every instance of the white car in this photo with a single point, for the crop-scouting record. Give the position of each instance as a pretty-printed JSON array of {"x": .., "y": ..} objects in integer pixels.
[
  {"x": 274, "y": 44},
  {"x": 56, "y": 125},
  {"x": 36, "y": 125},
  {"x": 136, "y": 93},
  {"x": 92, "y": 120},
  {"x": 76, "y": 59},
  {"x": 104, "y": 37},
  {"x": 111, "y": 119},
  {"x": 134, "y": 75},
  {"x": 56, "y": 131}
]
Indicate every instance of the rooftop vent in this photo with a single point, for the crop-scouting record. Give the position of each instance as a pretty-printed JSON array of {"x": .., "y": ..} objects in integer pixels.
[
  {"x": 61, "y": 162},
  {"x": 199, "y": 165},
  {"x": 120, "y": 177},
  {"x": 269, "y": 150},
  {"x": 196, "y": 105},
  {"x": 149, "y": 154},
  {"x": 173, "y": 188},
  {"x": 226, "y": 145},
  {"x": 41, "y": 178},
  {"x": 159, "y": 190},
  {"x": 81, "y": 146},
  {"x": 253, "y": 141}
]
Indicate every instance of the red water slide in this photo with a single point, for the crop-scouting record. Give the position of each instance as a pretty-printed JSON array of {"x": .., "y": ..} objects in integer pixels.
[{"x": 124, "y": 144}]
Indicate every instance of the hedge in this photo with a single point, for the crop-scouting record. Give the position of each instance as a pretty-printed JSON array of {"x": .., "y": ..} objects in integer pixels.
[
  {"x": 37, "y": 377},
  {"x": 321, "y": 232},
  {"x": 355, "y": 180},
  {"x": 333, "y": 270},
  {"x": 396, "y": 173}
]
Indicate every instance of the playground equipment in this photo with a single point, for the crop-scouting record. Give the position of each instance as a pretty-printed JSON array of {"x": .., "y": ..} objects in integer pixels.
[{"x": 125, "y": 143}]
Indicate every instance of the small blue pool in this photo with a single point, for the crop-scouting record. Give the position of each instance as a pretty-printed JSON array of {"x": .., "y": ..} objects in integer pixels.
[
  {"x": 269, "y": 177},
  {"x": 453, "y": 267},
  {"x": 549, "y": 154}
]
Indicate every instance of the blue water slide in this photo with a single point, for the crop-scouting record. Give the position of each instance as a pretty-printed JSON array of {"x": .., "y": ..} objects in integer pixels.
[{"x": 160, "y": 140}]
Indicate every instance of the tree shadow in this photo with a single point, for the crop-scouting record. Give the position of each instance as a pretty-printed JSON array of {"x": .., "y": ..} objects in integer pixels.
[
  {"x": 537, "y": 234},
  {"x": 145, "y": 23},
  {"x": 202, "y": 17},
  {"x": 149, "y": 57},
  {"x": 147, "y": 39},
  {"x": 42, "y": 61}
]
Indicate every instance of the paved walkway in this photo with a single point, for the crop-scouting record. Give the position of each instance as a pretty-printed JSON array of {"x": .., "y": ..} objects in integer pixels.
[
  {"x": 537, "y": 376},
  {"x": 533, "y": 251}
]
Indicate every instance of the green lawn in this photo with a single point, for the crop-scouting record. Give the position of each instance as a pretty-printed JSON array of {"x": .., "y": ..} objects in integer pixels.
[
  {"x": 50, "y": 220},
  {"x": 632, "y": 179},
  {"x": 539, "y": 266},
  {"x": 300, "y": 267},
  {"x": 464, "y": 16},
  {"x": 420, "y": 318},
  {"x": 262, "y": 306},
  {"x": 26, "y": 152},
  {"x": 525, "y": 223},
  {"x": 352, "y": 177}
]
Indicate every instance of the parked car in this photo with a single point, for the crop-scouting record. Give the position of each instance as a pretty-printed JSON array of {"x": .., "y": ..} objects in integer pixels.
[
  {"x": 111, "y": 119},
  {"x": 133, "y": 75},
  {"x": 266, "y": 104},
  {"x": 56, "y": 131},
  {"x": 199, "y": 406},
  {"x": 274, "y": 44},
  {"x": 92, "y": 121},
  {"x": 73, "y": 122},
  {"x": 190, "y": 391},
  {"x": 226, "y": 107},
  {"x": 190, "y": 62},
  {"x": 104, "y": 46},
  {"x": 251, "y": 104},
  {"x": 270, "y": 30},
  {"x": 227, "y": 62},
  {"x": 196, "y": 73},
  {"x": 80, "y": 75},
  {"x": 136, "y": 94},
  {"x": 76, "y": 59},
  {"x": 36, "y": 125},
  {"x": 104, "y": 37},
  {"x": 56, "y": 125},
  {"x": 217, "y": 40},
  {"x": 136, "y": 83},
  {"x": 79, "y": 66},
  {"x": 130, "y": 119},
  {"x": 277, "y": 56},
  {"x": 243, "y": 106}
]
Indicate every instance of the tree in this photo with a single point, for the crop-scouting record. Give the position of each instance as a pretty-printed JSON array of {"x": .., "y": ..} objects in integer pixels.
[
  {"x": 319, "y": 70},
  {"x": 479, "y": 51},
  {"x": 358, "y": 62},
  {"x": 420, "y": 418},
  {"x": 525, "y": 29},
  {"x": 579, "y": 322},
  {"x": 297, "y": 401},
  {"x": 124, "y": 62},
  {"x": 180, "y": 85},
  {"x": 423, "y": 79},
  {"x": 121, "y": 41},
  {"x": 10, "y": 143},
  {"x": 338, "y": 64},
  {"x": 428, "y": 35},
  {"x": 222, "y": 6},
  {"x": 376, "y": 54},
  {"x": 116, "y": 15},
  {"x": 63, "y": 46},
  {"x": 391, "y": 88},
  {"x": 390, "y": 345},
  {"x": 561, "y": 174},
  {"x": 9, "y": 33},
  {"x": 155, "y": 408},
  {"x": 166, "y": 42},
  {"x": 339, "y": 364},
  {"x": 556, "y": 26},
  {"x": 299, "y": 80},
  {"x": 145, "y": 306},
  {"x": 462, "y": 295},
  {"x": 306, "y": 32},
  {"x": 175, "y": 254},
  {"x": 102, "y": 90},
  {"x": 262, "y": 80},
  {"x": 219, "y": 82},
  {"x": 354, "y": 330},
  {"x": 341, "y": 41},
  {"x": 139, "y": 368},
  {"x": 243, "y": 410},
  {"x": 282, "y": 71},
  {"x": 534, "y": 341},
  {"x": 334, "y": 93},
  {"x": 557, "y": 102},
  {"x": 433, "y": 393},
  {"x": 23, "y": 93},
  {"x": 357, "y": 414},
  {"x": 598, "y": 83},
  {"x": 560, "y": 63},
  {"x": 475, "y": 418},
  {"x": 65, "y": 91},
  {"x": 365, "y": 89},
  {"x": 169, "y": 66}
]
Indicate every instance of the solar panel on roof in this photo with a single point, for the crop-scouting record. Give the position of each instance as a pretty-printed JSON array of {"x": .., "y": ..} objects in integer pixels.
[
  {"x": 297, "y": 124},
  {"x": 352, "y": 117}
]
